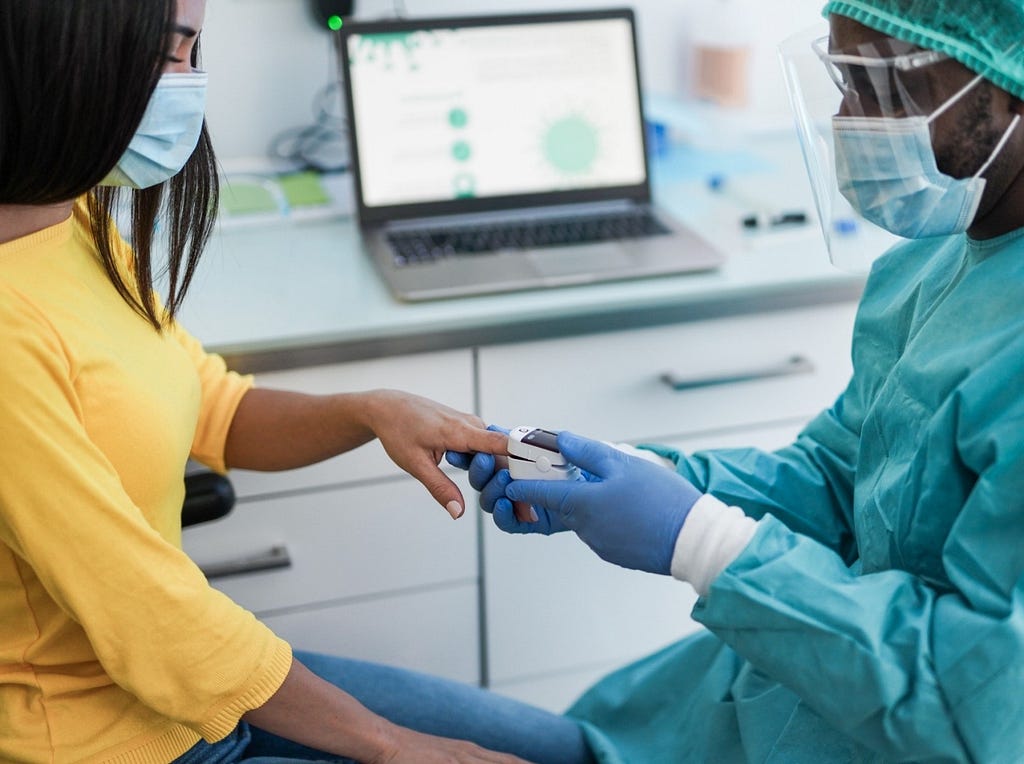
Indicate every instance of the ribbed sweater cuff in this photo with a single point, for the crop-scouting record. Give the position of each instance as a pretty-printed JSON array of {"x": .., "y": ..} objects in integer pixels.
[
  {"x": 165, "y": 747},
  {"x": 712, "y": 537},
  {"x": 225, "y": 718}
]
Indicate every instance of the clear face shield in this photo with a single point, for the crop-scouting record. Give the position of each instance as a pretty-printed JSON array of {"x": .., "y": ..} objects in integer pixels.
[{"x": 864, "y": 119}]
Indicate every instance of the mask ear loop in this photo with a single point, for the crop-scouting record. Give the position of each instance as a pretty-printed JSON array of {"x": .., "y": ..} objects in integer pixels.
[
  {"x": 953, "y": 99},
  {"x": 1002, "y": 141},
  {"x": 999, "y": 146},
  {"x": 1009, "y": 131}
]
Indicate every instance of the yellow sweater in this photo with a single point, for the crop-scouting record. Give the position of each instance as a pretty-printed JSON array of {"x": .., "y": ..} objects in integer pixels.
[{"x": 113, "y": 647}]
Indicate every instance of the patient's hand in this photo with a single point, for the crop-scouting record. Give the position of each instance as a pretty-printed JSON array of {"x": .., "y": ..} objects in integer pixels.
[
  {"x": 416, "y": 432},
  {"x": 488, "y": 474}
]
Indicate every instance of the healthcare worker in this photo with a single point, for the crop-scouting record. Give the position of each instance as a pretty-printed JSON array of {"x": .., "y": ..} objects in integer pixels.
[
  {"x": 113, "y": 647},
  {"x": 862, "y": 588}
]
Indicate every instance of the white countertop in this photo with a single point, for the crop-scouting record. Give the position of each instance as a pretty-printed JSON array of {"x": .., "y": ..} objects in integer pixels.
[{"x": 287, "y": 293}]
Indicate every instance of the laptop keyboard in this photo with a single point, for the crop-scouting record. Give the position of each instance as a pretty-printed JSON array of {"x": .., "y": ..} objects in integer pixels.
[{"x": 419, "y": 246}]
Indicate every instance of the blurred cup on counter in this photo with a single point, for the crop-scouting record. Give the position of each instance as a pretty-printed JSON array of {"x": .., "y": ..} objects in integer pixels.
[{"x": 721, "y": 43}]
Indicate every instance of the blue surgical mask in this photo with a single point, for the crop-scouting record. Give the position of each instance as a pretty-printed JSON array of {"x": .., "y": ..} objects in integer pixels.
[
  {"x": 167, "y": 135},
  {"x": 886, "y": 169}
]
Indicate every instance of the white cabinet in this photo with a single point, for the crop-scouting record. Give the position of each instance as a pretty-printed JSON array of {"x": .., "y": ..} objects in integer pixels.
[
  {"x": 446, "y": 377},
  {"x": 610, "y": 385},
  {"x": 436, "y": 630},
  {"x": 377, "y": 569},
  {"x": 343, "y": 543},
  {"x": 556, "y": 615}
]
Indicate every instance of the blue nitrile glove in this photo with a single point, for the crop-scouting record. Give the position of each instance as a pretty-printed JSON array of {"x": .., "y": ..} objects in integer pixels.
[
  {"x": 464, "y": 460},
  {"x": 458, "y": 459},
  {"x": 628, "y": 510},
  {"x": 493, "y": 499},
  {"x": 491, "y": 482}
]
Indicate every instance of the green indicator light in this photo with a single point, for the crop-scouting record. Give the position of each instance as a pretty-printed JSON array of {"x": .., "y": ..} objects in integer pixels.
[{"x": 335, "y": 23}]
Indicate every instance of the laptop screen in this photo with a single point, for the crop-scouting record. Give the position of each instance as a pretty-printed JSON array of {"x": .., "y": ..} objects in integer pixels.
[{"x": 492, "y": 109}]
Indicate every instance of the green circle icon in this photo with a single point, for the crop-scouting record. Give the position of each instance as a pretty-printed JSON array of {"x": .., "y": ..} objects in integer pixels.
[
  {"x": 570, "y": 145},
  {"x": 461, "y": 151},
  {"x": 458, "y": 118},
  {"x": 464, "y": 186}
]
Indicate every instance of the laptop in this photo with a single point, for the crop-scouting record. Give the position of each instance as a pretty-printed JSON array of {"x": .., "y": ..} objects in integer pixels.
[{"x": 500, "y": 153}]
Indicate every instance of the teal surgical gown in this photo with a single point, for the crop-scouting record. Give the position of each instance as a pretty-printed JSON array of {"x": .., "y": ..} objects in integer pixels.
[{"x": 878, "y": 612}]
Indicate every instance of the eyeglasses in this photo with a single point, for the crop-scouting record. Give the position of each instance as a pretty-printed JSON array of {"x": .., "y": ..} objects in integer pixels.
[{"x": 838, "y": 64}]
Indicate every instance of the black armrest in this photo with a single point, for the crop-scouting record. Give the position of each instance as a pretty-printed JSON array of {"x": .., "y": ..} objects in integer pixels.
[{"x": 208, "y": 496}]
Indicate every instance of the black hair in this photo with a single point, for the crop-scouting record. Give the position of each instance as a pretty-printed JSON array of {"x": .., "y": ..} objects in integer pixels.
[{"x": 75, "y": 79}]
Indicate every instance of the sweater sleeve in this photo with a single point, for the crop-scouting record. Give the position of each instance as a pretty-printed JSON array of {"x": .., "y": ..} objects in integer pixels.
[
  {"x": 222, "y": 391},
  {"x": 156, "y": 626}
]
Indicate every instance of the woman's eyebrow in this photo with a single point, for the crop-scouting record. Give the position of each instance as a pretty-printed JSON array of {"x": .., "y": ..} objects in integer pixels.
[{"x": 185, "y": 31}]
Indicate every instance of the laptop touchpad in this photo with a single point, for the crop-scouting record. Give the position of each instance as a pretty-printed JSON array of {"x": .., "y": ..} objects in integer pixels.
[{"x": 580, "y": 260}]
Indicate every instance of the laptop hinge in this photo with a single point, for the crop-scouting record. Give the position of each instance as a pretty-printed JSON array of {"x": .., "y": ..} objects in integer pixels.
[{"x": 463, "y": 219}]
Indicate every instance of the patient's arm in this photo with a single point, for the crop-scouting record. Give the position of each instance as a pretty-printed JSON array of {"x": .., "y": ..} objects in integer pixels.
[
  {"x": 278, "y": 430},
  {"x": 308, "y": 710}
]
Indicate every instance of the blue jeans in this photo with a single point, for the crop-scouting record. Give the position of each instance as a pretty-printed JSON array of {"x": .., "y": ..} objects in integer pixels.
[{"x": 418, "y": 701}]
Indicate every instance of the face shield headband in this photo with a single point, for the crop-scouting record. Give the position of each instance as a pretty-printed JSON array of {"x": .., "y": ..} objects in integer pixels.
[
  {"x": 875, "y": 84},
  {"x": 872, "y": 167}
]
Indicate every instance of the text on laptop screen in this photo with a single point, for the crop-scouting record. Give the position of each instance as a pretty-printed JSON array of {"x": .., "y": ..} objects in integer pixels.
[{"x": 484, "y": 111}]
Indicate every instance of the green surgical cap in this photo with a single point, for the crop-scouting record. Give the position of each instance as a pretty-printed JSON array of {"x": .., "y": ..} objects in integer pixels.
[{"x": 983, "y": 35}]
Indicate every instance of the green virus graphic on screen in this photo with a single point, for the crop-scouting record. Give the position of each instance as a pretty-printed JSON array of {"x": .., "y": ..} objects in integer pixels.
[
  {"x": 385, "y": 47},
  {"x": 571, "y": 145}
]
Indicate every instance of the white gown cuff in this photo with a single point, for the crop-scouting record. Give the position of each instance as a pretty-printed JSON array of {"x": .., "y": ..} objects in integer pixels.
[
  {"x": 712, "y": 537},
  {"x": 643, "y": 453}
]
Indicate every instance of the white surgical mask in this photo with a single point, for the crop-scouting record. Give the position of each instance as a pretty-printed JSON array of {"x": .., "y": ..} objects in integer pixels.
[
  {"x": 887, "y": 170},
  {"x": 167, "y": 135}
]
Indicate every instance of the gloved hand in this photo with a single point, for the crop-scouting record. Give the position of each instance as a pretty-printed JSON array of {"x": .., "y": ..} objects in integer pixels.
[
  {"x": 487, "y": 477},
  {"x": 479, "y": 476},
  {"x": 628, "y": 510}
]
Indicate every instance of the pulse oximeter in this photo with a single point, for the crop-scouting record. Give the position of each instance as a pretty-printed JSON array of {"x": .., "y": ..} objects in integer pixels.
[{"x": 533, "y": 455}]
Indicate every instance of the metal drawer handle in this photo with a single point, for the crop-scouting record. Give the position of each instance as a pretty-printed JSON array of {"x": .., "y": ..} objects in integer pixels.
[
  {"x": 796, "y": 364},
  {"x": 275, "y": 557}
]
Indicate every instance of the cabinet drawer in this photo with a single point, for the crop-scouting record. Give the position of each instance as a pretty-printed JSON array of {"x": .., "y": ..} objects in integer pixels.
[
  {"x": 342, "y": 543},
  {"x": 610, "y": 385},
  {"x": 765, "y": 438},
  {"x": 589, "y": 611},
  {"x": 444, "y": 622},
  {"x": 553, "y": 590},
  {"x": 445, "y": 377}
]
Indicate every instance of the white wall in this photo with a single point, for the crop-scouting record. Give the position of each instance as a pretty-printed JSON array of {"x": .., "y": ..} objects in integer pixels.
[{"x": 267, "y": 59}]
